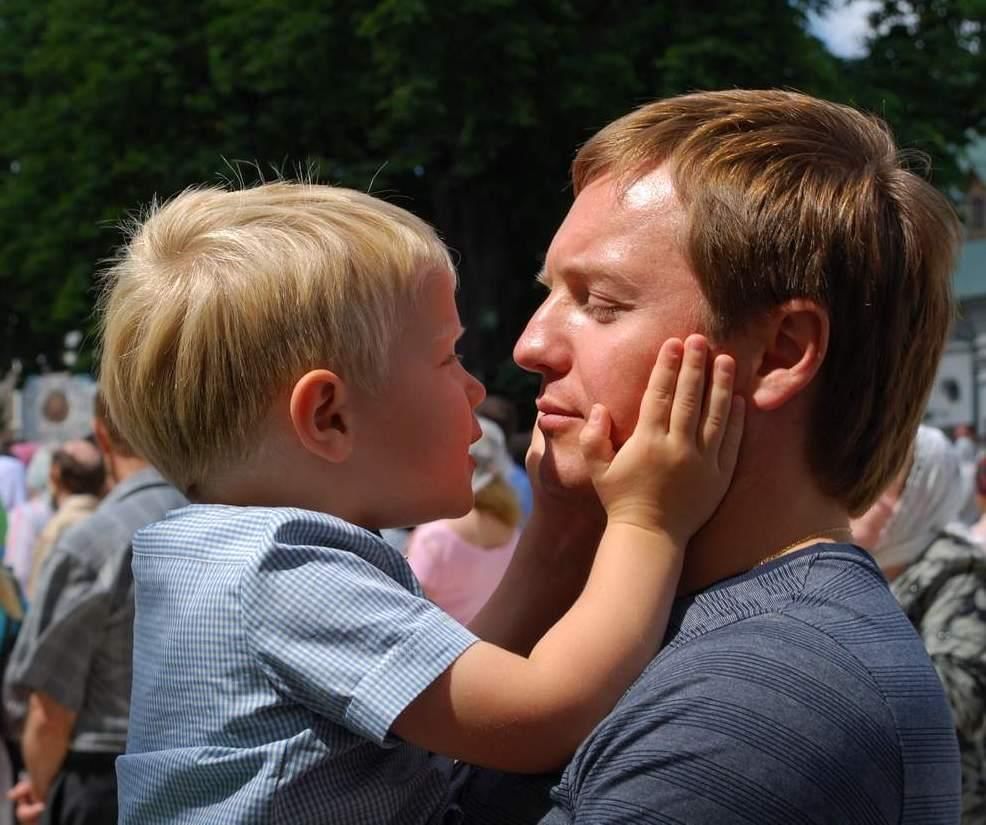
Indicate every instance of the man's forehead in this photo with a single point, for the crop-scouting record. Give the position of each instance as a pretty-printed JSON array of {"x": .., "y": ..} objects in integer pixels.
[
  {"x": 652, "y": 191},
  {"x": 611, "y": 225}
]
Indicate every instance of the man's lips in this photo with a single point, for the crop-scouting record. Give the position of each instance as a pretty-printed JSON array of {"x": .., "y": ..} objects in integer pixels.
[
  {"x": 553, "y": 416},
  {"x": 546, "y": 407}
]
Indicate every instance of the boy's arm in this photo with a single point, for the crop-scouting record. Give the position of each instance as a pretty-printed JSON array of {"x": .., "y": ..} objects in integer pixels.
[
  {"x": 548, "y": 571},
  {"x": 501, "y": 710}
]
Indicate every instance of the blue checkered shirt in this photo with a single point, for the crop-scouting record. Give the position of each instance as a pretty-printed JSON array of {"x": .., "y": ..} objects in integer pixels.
[{"x": 273, "y": 649}]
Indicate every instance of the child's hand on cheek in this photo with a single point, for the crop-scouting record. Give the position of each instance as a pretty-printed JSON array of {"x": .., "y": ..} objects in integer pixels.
[{"x": 675, "y": 468}]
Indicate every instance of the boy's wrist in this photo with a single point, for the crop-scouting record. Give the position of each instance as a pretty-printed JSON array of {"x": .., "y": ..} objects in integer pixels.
[
  {"x": 647, "y": 516},
  {"x": 669, "y": 538}
]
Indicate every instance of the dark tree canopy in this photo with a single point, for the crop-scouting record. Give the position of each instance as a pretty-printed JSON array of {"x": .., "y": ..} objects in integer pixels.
[{"x": 467, "y": 113}]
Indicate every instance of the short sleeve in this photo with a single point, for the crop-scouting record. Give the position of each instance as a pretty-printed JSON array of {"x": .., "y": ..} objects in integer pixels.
[
  {"x": 54, "y": 647},
  {"x": 336, "y": 634}
]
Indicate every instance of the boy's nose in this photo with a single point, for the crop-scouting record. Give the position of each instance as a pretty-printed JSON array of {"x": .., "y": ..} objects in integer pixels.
[{"x": 475, "y": 390}]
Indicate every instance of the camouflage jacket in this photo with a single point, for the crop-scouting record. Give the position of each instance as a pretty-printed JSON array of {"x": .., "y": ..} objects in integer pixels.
[{"x": 944, "y": 596}]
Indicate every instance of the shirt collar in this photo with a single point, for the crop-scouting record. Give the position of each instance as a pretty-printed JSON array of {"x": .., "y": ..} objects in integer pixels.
[{"x": 148, "y": 477}]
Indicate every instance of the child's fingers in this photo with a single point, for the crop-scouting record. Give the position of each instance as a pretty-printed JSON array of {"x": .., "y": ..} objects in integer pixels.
[
  {"x": 594, "y": 440},
  {"x": 655, "y": 406},
  {"x": 688, "y": 393},
  {"x": 717, "y": 403},
  {"x": 729, "y": 451}
]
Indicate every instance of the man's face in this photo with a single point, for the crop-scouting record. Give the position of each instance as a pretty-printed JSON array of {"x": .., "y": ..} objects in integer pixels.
[{"x": 619, "y": 286}]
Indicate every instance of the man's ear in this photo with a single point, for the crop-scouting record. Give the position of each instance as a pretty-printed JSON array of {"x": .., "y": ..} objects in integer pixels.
[
  {"x": 321, "y": 415},
  {"x": 792, "y": 343}
]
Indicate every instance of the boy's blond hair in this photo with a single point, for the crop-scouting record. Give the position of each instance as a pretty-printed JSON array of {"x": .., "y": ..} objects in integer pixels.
[
  {"x": 220, "y": 300},
  {"x": 499, "y": 500}
]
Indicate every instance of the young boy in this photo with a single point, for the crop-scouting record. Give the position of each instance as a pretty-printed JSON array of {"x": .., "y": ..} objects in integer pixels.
[{"x": 286, "y": 355}]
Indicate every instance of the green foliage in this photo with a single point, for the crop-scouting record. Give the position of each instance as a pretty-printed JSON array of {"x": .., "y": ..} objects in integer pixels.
[
  {"x": 926, "y": 74},
  {"x": 468, "y": 113}
]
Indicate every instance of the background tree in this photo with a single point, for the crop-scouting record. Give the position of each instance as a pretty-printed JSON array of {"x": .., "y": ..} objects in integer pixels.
[
  {"x": 466, "y": 113},
  {"x": 925, "y": 72}
]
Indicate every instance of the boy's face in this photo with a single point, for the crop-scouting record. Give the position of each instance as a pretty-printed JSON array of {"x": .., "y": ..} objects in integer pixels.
[{"x": 413, "y": 435}]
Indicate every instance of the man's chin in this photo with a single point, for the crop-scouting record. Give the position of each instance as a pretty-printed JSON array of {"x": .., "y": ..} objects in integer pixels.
[{"x": 564, "y": 475}]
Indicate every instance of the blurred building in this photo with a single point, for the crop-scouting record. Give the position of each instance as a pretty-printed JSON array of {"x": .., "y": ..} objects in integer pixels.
[
  {"x": 959, "y": 395},
  {"x": 53, "y": 407}
]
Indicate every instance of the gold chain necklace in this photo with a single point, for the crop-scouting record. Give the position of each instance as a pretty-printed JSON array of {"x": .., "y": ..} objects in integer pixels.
[{"x": 831, "y": 533}]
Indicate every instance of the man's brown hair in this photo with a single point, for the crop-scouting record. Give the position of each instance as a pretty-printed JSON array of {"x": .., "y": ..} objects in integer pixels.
[{"x": 788, "y": 196}]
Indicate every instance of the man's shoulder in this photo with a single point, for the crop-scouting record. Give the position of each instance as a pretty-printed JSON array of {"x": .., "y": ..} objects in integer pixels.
[
  {"x": 110, "y": 528},
  {"x": 827, "y": 588},
  {"x": 803, "y": 631},
  {"x": 810, "y": 691}
]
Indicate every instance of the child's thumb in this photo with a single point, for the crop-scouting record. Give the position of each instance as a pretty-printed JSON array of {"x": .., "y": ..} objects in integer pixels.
[{"x": 597, "y": 449}]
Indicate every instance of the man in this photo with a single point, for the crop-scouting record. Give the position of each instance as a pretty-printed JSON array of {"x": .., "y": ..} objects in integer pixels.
[
  {"x": 790, "y": 688},
  {"x": 73, "y": 654},
  {"x": 76, "y": 480}
]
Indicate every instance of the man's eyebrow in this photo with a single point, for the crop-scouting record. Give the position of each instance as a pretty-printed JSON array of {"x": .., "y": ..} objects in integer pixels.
[{"x": 589, "y": 273}]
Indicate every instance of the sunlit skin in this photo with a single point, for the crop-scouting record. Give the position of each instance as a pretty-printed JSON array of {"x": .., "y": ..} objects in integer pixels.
[
  {"x": 422, "y": 421},
  {"x": 619, "y": 284}
]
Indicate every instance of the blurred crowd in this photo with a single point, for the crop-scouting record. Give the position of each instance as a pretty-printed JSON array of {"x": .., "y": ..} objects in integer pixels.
[
  {"x": 927, "y": 532},
  {"x": 69, "y": 512}
]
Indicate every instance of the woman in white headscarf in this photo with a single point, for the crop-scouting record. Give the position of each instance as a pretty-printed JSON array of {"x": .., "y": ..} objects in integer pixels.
[{"x": 938, "y": 575}]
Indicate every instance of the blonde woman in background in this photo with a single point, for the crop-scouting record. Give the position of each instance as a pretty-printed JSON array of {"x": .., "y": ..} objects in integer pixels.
[{"x": 460, "y": 562}]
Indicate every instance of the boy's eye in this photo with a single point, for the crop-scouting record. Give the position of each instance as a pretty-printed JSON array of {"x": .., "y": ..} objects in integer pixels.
[{"x": 453, "y": 358}]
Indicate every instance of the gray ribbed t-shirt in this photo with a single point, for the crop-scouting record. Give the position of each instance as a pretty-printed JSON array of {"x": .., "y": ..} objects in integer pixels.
[{"x": 795, "y": 693}]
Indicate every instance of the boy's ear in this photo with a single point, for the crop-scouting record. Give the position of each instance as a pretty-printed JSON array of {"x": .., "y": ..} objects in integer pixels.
[
  {"x": 791, "y": 344},
  {"x": 321, "y": 415}
]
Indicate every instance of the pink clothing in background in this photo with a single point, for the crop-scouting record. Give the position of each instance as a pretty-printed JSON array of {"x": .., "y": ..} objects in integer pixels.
[
  {"x": 458, "y": 576},
  {"x": 978, "y": 530},
  {"x": 24, "y": 527}
]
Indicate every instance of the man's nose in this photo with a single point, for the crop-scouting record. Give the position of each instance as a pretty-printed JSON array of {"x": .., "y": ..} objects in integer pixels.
[{"x": 540, "y": 348}]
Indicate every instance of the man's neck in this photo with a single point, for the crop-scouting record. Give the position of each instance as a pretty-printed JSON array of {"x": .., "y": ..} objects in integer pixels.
[
  {"x": 763, "y": 514},
  {"x": 122, "y": 467}
]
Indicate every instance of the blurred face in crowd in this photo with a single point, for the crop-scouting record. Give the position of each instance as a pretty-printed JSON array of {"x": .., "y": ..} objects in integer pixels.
[{"x": 618, "y": 286}]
